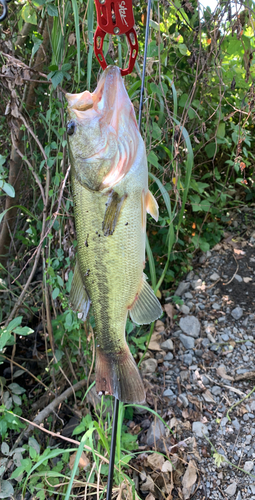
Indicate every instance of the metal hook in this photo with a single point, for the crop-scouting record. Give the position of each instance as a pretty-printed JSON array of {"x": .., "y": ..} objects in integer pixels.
[{"x": 4, "y": 8}]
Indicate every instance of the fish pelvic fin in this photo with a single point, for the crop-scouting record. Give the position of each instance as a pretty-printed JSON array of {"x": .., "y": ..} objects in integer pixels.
[
  {"x": 117, "y": 375},
  {"x": 151, "y": 205},
  {"x": 146, "y": 307},
  {"x": 112, "y": 212},
  {"x": 79, "y": 299}
]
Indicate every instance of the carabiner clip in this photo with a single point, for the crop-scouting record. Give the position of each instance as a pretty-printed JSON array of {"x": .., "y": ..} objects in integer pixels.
[
  {"x": 5, "y": 9},
  {"x": 115, "y": 18}
]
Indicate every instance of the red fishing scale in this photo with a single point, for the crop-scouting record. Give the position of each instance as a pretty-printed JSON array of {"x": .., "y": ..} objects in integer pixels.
[{"x": 116, "y": 18}]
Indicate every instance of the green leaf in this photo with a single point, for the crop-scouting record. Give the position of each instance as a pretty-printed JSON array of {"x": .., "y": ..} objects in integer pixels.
[
  {"x": 183, "y": 99},
  {"x": 55, "y": 293},
  {"x": 8, "y": 189},
  {"x": 38, "y": 3},
  {"x": 16, "y": 389},
  {"x": 28, "y": 13},
  {"x": 153, "y": 159},
  {"x": 156, "y": 131},
  {"x": 204, "y": 245},
  {"x": 221, "y": 130},
  {"x": 205, "y": 205},
  {"x": 5, "y": 448},
  {"x": 18, "y": 373},
  {"x": 23, "y": 330},
  {"x": 16, "y": 399},
  {"x": 52, "y": 10},
  {"x": 210, "y": 149},
  {"x": 56, "y": 78},
  {"x": 6, "y": 489},
  {"x": 32, "y": 453},
  {"x": 4, "y": 337},
  {"x": 17, "y": 472},
  {"x": 37, "y": 43},
  {"x": 79, "y": 429},
  {"x": 3, "y": 214},
  {"x": 183, "y": 49},
  {"x": 14, "y": 323},
  {"x": 2, "y": 160},
  {"x": 195, "y": 202},
  {"x": 34, "y": 444}
]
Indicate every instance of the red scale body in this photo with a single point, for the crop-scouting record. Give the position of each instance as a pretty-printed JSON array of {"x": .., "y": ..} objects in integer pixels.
[{"x": 116, "y": 18}]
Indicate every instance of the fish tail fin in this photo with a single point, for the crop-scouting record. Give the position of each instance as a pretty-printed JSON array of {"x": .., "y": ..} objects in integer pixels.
[{"x": 117, "y": 375}]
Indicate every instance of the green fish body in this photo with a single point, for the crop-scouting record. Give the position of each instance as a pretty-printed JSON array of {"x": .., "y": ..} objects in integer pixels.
[{"x": 110, "y": 189}]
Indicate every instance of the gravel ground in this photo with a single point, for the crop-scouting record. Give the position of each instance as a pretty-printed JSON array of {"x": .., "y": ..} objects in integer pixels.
[{"x": 203, "y": 358}]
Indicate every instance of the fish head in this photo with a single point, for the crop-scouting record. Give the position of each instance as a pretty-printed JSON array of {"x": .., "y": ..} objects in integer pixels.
[{"x": 103, "y": 136}]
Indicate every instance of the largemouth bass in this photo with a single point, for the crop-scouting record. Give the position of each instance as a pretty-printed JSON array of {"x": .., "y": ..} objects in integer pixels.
[{"x": 110, "y": 189}]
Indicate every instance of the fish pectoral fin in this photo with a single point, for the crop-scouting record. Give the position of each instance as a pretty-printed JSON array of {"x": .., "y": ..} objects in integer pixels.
[
  {"x": 79, "y": 299},
  {"x": 112, "y": 212},
  {"x": 151, "y": 205},
  {"x": 146, "y": 307}
]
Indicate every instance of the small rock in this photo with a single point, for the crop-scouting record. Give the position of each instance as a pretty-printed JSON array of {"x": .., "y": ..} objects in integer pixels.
[
  {"x": 190, "y": 325},
  {"x": 237, "y": 313},
  {"x": 202, "y": 259},
  {"x": 247, "y": 279},
  {"x": 188, "y": 359},
  {"x": 224, "y": 421},
  {"x": 168, "y": 357},
  {"x": 190, "y": 276},
  {"x": 225, "y": 337},
  {"x": 168, "y": 393},
  {"x": 182, "y": 288},
  {"x": 184, "y": 375},
  {"x": 216, "y": 306},
  {"x": 149, "y": 365},
  {"x": 187, "y": 342},
  {"x": 155, "y": 432},
  {"x": 239, "y": 496},
  {"x": 231, "y": 489},
  {"x": 197, "y": 284},
  {"x": 184, "y": 309},
  {"x": 167, "y": 345},
  {"x": 214, "y": 277},
  {"x": 184, "y": 400},
  {"x": 188, "y": 295},
  {"x": 216, "y": 390},
  {"x": 205, "y": 342},
  {"x": 238, "y": 278},
  {"x": 199, "y": 429},
  {"x": 248, "y": 466}
]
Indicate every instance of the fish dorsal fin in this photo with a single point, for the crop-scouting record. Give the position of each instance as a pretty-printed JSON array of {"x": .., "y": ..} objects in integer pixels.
[
  {"x": 79, "y": 299},
  {"x": 146, "y": 307},
  {"x": 151, "y": 205}
]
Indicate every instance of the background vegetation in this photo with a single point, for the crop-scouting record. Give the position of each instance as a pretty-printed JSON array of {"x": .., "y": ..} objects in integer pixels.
[{"x": 198, "y": 121}]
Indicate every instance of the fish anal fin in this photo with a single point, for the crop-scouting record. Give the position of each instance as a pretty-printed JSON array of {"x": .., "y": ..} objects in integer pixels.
[
  {"x": 79, "y": 299},
  {"x": 112, "y": 212},
  {"x": 117, "y": 375},
  {"x": 146, "y": 307},
  {"x": 151, "y": 205}
]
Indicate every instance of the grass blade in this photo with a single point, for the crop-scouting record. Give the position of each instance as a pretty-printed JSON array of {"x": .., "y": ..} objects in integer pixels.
[
  {"x": 90, "y": 17},
  {"x": 77, "y": 34},
  {"x": 151, "y": 264}
]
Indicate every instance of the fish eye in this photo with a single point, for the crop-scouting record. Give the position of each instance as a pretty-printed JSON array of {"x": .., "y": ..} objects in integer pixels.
[{"x": 71, "y": 127}]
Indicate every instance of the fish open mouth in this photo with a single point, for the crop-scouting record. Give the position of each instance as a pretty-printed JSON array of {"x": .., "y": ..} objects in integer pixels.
[{"x": 108, "y": 100}]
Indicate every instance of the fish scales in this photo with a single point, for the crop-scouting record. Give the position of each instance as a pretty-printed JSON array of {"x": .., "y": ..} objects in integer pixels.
[{"x": 109, "y": 211}]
